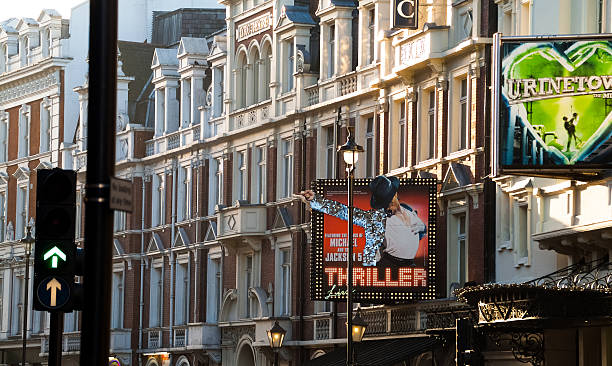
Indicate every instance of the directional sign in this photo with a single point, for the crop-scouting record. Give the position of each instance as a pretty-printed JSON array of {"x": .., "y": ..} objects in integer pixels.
[
  {"x": 53, "y": 292},
  {"x": 54, "y": 253},
  {"x": 121, "y": 194}
]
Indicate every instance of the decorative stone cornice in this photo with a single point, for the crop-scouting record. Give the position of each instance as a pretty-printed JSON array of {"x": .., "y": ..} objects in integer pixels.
[{"x": 28, "y": 86}]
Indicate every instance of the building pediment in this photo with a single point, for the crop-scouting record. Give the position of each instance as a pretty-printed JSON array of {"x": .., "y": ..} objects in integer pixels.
[
  {"x": 22, "y": 173},
  {"x": 47, "y": 15},
  {"x": 219, "y": 46},
  {"x": 294, "y": 16},
  {"x": 190, "y": 46},
  {"x": 26, "y": 24},
  {"x": 164, "y": 57}
]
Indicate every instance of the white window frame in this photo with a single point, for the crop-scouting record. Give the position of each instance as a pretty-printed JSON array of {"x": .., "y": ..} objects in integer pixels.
[
  {"x": 521, "y": 237},
  {"x": 241, "y": 168},
  {"x": 214, "y": 289},
  {"x": 21, "y": 208},
  {"x": 219, "y": 181},
  {"x": 259, "y": 174},
  {"x": 45, "y": 126},
  {"x": 3, "y": 202},
  {"x": 158, "y": 188},
  {"x": 118, "y": 296},
  {"x": 181, "y": 288},
  {"x": 331, "y": 49},
  {"x": 371, "y": 34},
  {"x": 402, "y": 132},
  {"x": 459, "y": 103},
  {"x": 330, "y": 151},
  {"x": 119, "y": 221},
  {"x": 23, "y": 145},
  {"x": 456, "y": 210},
  {"x": 156, "y": 290},
  {"x": 4, "y": 136},
  {"x": 426, "y": 111},
  {"x": 283, "y": 244},
  {"x": 246, "y": 304},
  {"x": 370, "y": 146},
  {"x": 285, "y": 179}
]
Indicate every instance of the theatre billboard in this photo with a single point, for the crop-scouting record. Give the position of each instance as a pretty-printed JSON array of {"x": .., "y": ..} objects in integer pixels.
[
  {"x": 553, "y": 104},
  {"x": 393, "y": 253}
]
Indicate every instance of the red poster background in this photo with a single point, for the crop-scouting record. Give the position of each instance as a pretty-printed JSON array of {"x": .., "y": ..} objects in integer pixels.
[{"x": 336, "y": 230}]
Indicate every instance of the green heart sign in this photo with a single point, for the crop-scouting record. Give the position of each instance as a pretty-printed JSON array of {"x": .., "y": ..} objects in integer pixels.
[{"x": 558, "y": 100}]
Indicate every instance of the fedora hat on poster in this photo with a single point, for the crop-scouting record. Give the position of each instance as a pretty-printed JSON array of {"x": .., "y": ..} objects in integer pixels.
[{"x": 383, "y": 189}]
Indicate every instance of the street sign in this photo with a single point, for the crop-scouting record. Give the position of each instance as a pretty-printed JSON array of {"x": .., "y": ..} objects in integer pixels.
[
  {"x": 121, "y": 194},
  {"x": 53, "y": 292}
]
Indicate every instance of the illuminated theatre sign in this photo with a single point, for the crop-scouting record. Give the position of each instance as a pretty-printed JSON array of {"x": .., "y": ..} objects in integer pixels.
[
  {"x": 393, "y": 250},
  {"x": 553, "y": 104}
]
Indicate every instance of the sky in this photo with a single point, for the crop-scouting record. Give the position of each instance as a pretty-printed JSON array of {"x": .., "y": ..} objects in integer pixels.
[{"x": 32, "y": 8}]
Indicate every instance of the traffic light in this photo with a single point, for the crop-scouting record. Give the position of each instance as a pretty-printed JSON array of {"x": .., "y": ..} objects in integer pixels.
[{"x": 55, "y": 251}]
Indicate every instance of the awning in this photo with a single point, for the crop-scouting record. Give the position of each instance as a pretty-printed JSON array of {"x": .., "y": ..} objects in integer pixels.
[
  {"x": 385, "y": 352},
  {"x": 568, "y": 297}
]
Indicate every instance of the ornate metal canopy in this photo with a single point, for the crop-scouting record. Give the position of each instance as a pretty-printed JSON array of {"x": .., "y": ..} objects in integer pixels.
[{"x": 579, "y": 292}]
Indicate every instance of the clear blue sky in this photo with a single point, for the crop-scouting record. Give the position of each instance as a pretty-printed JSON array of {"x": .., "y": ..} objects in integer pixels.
[{"x": 32, "y": 8}]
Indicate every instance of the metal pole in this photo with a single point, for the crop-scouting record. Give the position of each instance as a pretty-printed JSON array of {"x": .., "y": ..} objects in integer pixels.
[
  {"x": 349, "y": 284},
  {"x": 101, "y": 166},
  {"x": 56, "y": 327},
  {"x": 24, "y": 330},
  {"x": 275, "y": 358}
]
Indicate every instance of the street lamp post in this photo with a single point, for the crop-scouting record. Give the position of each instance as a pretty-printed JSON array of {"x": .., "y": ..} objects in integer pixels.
[
  {"x": 276, "y": 335},
  {"x": 350, "y": 152},
  {"x": 27, "y": 242}
]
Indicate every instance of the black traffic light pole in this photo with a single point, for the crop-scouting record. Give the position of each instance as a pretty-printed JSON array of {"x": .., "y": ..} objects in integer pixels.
[{"x": 95, "y": 332}]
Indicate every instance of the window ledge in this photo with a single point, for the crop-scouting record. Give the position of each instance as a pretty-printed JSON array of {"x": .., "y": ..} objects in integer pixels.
[
  {"x": 458, "y": 155},
  {"x": 426, "y": 163}
]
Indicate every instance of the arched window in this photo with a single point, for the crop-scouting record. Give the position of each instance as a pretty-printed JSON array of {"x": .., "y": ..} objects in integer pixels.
[
  {"x": 254, "y": 65},
  {"x": 266, "y": 56},
  {"x": 241, "y": 83}
]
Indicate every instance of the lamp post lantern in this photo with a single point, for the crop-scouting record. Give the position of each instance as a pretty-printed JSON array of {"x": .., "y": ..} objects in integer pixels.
[
  {"x": 350, "y": 152},
  {"x": 27, "y": 243},
  {"x": 276, "y": 336}
]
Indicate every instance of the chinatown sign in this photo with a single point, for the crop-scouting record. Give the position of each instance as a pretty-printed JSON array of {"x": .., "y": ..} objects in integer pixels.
[
  {"x": 393, "y": 255},
  {"x": 553, "y": 105},
  {"x": 254, "y": 27}
]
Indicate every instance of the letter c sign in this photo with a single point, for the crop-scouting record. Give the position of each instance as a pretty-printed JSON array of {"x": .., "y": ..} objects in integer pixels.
[{"x": 405, "y": 14}]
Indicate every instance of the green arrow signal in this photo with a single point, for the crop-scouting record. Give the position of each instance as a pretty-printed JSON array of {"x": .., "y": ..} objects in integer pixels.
[{"x": 54, "y": 253}]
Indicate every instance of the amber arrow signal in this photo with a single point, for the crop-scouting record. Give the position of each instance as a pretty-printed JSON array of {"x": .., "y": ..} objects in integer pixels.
[{"x": 54, "y": 286}]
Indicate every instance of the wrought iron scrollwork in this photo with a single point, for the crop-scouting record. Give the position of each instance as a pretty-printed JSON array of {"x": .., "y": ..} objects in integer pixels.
[
  {"x": 527, "y": 347},
  {"x": 595, "y": 275}
]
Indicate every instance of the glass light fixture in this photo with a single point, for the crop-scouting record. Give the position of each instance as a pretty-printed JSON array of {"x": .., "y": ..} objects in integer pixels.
[
  {"x": 350, "y": 150},
  {"x": 276, "y": 335},
  {"x": 359, "y": 326}
]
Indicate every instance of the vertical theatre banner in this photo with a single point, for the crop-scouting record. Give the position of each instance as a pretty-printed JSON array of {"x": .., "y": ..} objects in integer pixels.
[
  {"x": 393, "y": 247},
  {"x": 554, "y": 105}
]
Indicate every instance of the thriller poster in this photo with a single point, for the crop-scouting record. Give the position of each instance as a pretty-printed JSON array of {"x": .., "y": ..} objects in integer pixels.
[
  {"x": 393, "y": 239},
  {"x": 555, "y": 108}
]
